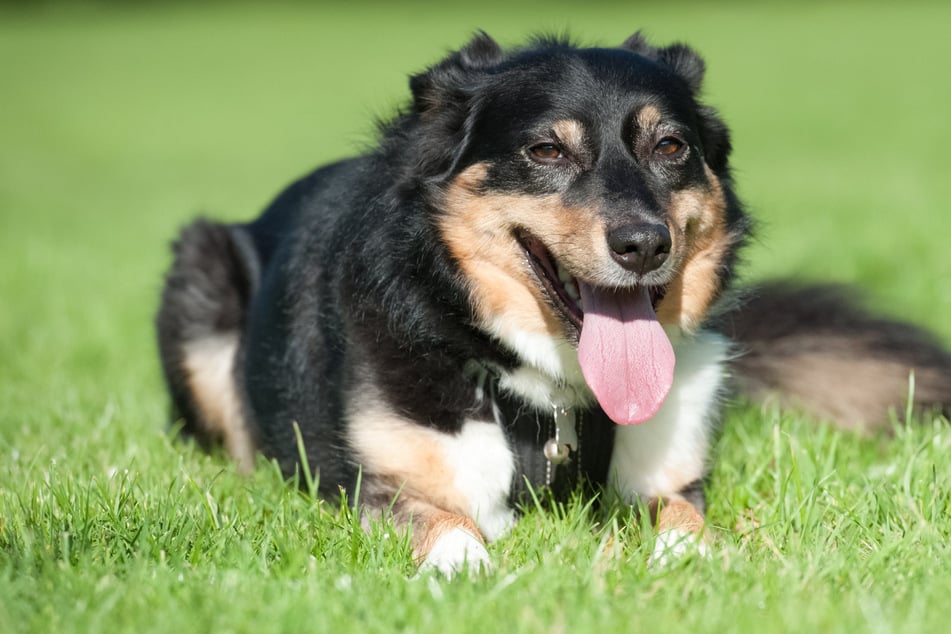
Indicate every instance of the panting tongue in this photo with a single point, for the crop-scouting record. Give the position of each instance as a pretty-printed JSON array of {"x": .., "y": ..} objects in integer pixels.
[{"x": 625, "y": 355}]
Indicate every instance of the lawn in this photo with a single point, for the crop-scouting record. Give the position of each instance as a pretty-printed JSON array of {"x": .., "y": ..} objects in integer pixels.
[{"x": 118, "y": 124}]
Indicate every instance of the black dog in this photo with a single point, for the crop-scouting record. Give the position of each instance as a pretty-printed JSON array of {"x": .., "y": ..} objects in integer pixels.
[{"x": 525, "y": 283}]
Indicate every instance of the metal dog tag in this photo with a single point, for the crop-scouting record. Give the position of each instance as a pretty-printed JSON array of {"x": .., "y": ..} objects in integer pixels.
[{"x": 557, "y": 450}]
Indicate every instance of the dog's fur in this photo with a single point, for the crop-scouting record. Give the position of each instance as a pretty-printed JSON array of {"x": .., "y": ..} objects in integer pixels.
[{"x": 370, "y": 301}]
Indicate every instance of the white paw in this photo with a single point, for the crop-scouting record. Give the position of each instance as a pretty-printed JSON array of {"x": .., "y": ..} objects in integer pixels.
[
  {"x": 674, "y": 544},
  {"x": 456, "y": 551}
]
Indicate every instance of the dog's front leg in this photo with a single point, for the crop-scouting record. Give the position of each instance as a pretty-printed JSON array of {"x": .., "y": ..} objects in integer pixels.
[
  {"x": 444, "y": 541},
  {"x": 448, "y": 542},
  {"x": 664, "y": 460},
  {"x": 450, "y": 489},
  {"x": 665, "y": 470}
]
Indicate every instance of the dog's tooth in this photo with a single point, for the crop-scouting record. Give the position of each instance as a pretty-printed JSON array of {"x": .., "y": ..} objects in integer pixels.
[
  {"x": 572, "y": 289},
  {"x": 563, "y": 273}
]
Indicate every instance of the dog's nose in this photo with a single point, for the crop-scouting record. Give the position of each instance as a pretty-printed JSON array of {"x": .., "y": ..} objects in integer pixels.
[{"x": 640, "y": 248}]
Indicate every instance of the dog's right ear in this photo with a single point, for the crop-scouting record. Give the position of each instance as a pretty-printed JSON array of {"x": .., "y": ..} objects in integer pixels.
[
  {"x": 446, "y": 100},
  {"x": 445, "y": 83}
]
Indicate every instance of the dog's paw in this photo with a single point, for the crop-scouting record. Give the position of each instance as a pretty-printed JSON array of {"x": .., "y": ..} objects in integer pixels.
[
  {"x": 674, "y": 544},
  {"x": 456, "y": 551}
]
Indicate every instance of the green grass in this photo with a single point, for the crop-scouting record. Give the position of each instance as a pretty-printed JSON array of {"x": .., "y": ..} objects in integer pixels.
[{"x": 116, "y": 125}]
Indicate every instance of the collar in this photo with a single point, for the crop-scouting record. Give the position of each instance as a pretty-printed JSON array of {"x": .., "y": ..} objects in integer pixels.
[{"x": 557, "y": 451}]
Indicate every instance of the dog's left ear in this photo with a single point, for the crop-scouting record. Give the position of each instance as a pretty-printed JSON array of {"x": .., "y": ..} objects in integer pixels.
[{"x": 687, "y": 64}]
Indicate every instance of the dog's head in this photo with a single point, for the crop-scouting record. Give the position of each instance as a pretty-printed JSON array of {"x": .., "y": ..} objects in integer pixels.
[{"x": 585, "y": 194}]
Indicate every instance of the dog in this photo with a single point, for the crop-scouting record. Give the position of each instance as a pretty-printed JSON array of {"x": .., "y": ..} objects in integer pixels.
[{"x": 527, "y": 284}]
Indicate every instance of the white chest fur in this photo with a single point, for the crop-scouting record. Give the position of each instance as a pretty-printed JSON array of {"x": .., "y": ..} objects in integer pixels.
[{"x": 665, "y": 454}]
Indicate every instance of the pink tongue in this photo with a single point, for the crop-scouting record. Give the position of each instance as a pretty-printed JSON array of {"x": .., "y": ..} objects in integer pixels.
[{"x": 625, "y": 355}]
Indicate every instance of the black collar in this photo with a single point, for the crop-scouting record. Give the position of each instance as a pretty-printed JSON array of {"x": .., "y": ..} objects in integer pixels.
[{"x": 528, "y": 431}]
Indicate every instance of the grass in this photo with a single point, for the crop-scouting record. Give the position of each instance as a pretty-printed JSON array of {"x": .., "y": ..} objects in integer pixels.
[{"x": 118, "y": 124}]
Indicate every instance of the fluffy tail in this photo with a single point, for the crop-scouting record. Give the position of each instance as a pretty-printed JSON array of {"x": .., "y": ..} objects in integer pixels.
[
  {"x": 818, "y": 349},
  {"x": 203, "y": 308}
]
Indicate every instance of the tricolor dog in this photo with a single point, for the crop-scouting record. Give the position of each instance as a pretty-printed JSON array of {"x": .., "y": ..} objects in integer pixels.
[{"x": 526, "y": 283}]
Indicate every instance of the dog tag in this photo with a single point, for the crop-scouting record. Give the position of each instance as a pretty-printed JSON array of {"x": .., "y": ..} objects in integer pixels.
[
  {"x": 556, "y": 453},
  {"x": 557, "y": 450}
]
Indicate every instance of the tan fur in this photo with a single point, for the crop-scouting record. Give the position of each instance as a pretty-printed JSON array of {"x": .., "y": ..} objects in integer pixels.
[
  {"x": 648, "y": 117},
  {"x": 679, "y": 515},
  {"x": 209, "y": 363},
  {"x": 404, "y": 465},
  {"x": 479, "y": 230},
  {"x": 403, "y": 454},
  {"x": 699, "y": 229},
  {"x": 816, "y": 347},
  {"x": 431, "y": 524},
  {"x": 571, "y": 133},
  {"x": 848, "y": 398}
]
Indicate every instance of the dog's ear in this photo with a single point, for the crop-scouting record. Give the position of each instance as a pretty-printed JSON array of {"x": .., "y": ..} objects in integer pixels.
[
  {"x": 445, "y": 83},
  {"x": 638, "y": 44},
  {"x": 685, "y": 62},
  {"x": 481, "y": 52},
  {"x": 446, "y": 99}
]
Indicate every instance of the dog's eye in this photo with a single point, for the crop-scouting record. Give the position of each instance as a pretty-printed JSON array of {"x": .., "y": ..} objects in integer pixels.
[
  {"x": 546, "y": 152},
  {"x": 669, "y": 147}
]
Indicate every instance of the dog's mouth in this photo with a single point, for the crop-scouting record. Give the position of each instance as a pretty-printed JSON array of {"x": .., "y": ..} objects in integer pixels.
[
  {"x": 560, "y": 285},
  {"x": 562, "y": 288},
  {"x": 625, "y": 355}
]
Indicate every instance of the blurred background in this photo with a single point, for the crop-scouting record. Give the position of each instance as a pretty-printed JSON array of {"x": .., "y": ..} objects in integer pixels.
[{"x": 120, "y": 122}]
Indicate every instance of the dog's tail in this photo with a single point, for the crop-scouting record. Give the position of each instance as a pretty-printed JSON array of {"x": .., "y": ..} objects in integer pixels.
[
  {"x": 203, "y": 308},
  {"x": 819, "y": 349}
]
